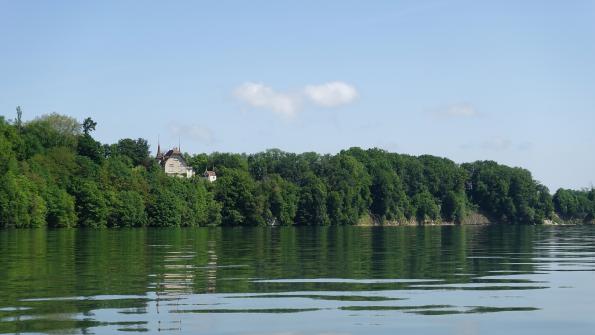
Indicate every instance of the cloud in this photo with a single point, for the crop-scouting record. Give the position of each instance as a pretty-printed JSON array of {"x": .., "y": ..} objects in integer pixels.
[
  {"x": 193, "y": 132},
  {"x": 331, "y": 94},
  {"x": 288, "y": 104},
  {"x": 262, "y": 96},
  {"x": 461, "y": 110}
]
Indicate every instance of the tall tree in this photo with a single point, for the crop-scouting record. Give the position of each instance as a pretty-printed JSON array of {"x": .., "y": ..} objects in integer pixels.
[{"x": 89, "y": 125}]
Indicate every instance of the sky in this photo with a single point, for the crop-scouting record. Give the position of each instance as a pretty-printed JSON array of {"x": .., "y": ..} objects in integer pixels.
[{"x": 510, "y": 81}]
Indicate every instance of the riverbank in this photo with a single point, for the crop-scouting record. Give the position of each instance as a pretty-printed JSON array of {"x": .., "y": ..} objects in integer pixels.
[{"x": 473, "y": 219}]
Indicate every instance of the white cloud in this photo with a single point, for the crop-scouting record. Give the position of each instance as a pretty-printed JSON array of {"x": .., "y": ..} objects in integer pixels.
[
  {"x": 193, "y": 132},
  {"x": 288, "y": 104},
  {"x": 262, "y": 96},
  {"x": 331, "y": 94},
  {"x": 462, "y": 110}
]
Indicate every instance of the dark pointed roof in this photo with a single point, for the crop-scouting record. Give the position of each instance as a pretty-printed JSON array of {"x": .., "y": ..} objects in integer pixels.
[
  {"x": 172, "y": 152},
  {"x": 162, "y": 157}
]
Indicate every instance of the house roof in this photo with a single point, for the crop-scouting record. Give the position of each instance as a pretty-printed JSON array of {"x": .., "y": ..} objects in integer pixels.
[
  {"x": 210, "y": 173},
  {"x": 169, "y": 153},
  {"x": 172, "y": 152},
  {"x": 175, "y": 152}
]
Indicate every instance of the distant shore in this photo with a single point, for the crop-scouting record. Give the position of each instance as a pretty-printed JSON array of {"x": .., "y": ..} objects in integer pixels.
[{"x": 55, "y": 174}]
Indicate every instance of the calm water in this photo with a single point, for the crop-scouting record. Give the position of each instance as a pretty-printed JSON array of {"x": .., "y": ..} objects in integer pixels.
[{"x": 350, "y": 280}]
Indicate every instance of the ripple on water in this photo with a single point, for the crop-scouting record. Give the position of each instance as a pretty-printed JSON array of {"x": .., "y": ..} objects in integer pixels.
[{"x": 185, "y": 281}]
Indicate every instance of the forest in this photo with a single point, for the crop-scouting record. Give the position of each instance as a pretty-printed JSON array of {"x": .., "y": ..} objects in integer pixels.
[{"x": 54, "y": 173}]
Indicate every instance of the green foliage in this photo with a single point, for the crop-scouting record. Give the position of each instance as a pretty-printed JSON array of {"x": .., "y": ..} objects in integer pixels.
[
  {"x": 575, "y": 205},
  {"x": 61, "y": 208},
  {"x": 19, "y": 121},
  {"x": 311, "y": 205},
  {"x": 426, "y": 208},
  {"x": 136, "y": 150},
  {"x": 88, "y": 125},
  {"x": 236, "y": 191},
  {"x": 8, "y": 137},
  {"x": 349, "y": 184},
  {"x": 454, "y": 207},
  {"x": 508, "y": 194},
  {"x": 196, "y": 200},
  {"x": 20, "y": 203},
  {"x": 54, "y": 173},
  {"x": 227, "y": 162},
  {"x": 281, "y": 200},
  {"x": 389, "y": 201},
  {"x": 164, "y": 209},
  {"x": 88, "y": 147},
  {"x": 91, "y": 205},
  {"x": 126, "y": 209},
  {"x": 198, "y": 162},
  {"x": 48, "y": 131}
]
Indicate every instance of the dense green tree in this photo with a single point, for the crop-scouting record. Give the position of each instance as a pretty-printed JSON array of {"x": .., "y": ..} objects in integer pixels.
[
  {"x": 8, "y": 158},
  {"x": 20, "y": 203},
  {"x": 348, "y": 184},
  {"x": 52, "y": 172},
  {"x": 223, "y": 162},
  {"x": 454, "y": 207},
  {"x": 312, "y": 202},
  {"x": 126, "y": 209},
  {"x": 426, "y": 208},
  {"x": 196, "y": 200},
  {"x": 91, "y": 206},
  {"x": 137, "y": 150},
  {"x": 236, "y": 191},
  {"x": 575, "y": 205},
  {"x": 19, "y": 121},
  {"x": 49, "y": 131},
  {"x": 507, "y": 194},
  {"x": 281, "y": 200},
  {"x": 89, "y": 125},
  {"x": 199, "y": 162},
  {"x": 164, "y": 209},
  {"x": 60, "y": 208},
  {"x": 56, "y": 166},
  {"x": 389, "y": 200},
  {"x": 88, "y": 147}
]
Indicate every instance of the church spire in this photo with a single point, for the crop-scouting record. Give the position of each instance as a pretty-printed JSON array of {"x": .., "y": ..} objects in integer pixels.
[
  {"x": 159, "y": 155},
  {"x": 158, "y": 146}
]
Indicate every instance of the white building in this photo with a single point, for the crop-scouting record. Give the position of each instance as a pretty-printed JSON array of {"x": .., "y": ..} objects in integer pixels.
[
  {"x": 210, "y": 175},
  {"x": 173, "y": 163}
]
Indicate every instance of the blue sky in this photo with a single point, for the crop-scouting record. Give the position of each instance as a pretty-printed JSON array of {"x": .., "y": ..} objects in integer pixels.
[{"x": 512, "y": 81}]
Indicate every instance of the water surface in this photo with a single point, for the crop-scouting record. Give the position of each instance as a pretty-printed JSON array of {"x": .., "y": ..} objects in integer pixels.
[{"x": 335, "y": 280}]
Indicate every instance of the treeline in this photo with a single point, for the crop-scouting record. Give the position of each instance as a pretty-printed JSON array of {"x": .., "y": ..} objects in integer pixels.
[
  {"x": 54, "y": 173},
  {"x": 577, "y": 206}
]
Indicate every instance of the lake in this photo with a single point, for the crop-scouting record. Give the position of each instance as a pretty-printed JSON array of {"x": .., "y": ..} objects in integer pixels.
[{"x": 331, "y": 280}]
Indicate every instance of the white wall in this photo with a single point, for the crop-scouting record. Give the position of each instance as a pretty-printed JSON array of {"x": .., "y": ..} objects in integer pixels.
[{"x": 176, "y": 166}]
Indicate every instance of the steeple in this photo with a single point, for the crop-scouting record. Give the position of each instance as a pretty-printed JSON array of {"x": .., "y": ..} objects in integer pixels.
[
  {"x": 158, "y": 146},
  {"x": 159, "y": 155}
]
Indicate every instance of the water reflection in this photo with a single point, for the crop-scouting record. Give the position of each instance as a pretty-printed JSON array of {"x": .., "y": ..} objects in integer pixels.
[{"x": 194, "y": 280}]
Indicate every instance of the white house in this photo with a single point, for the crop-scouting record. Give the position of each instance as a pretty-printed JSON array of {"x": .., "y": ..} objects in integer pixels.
[
  {"x": 210, "y": 175},
  {"x": 173, "y": 163}
]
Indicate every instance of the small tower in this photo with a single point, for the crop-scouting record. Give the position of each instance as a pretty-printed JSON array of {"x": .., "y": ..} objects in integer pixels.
[{"x": 159, "y": 155}]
